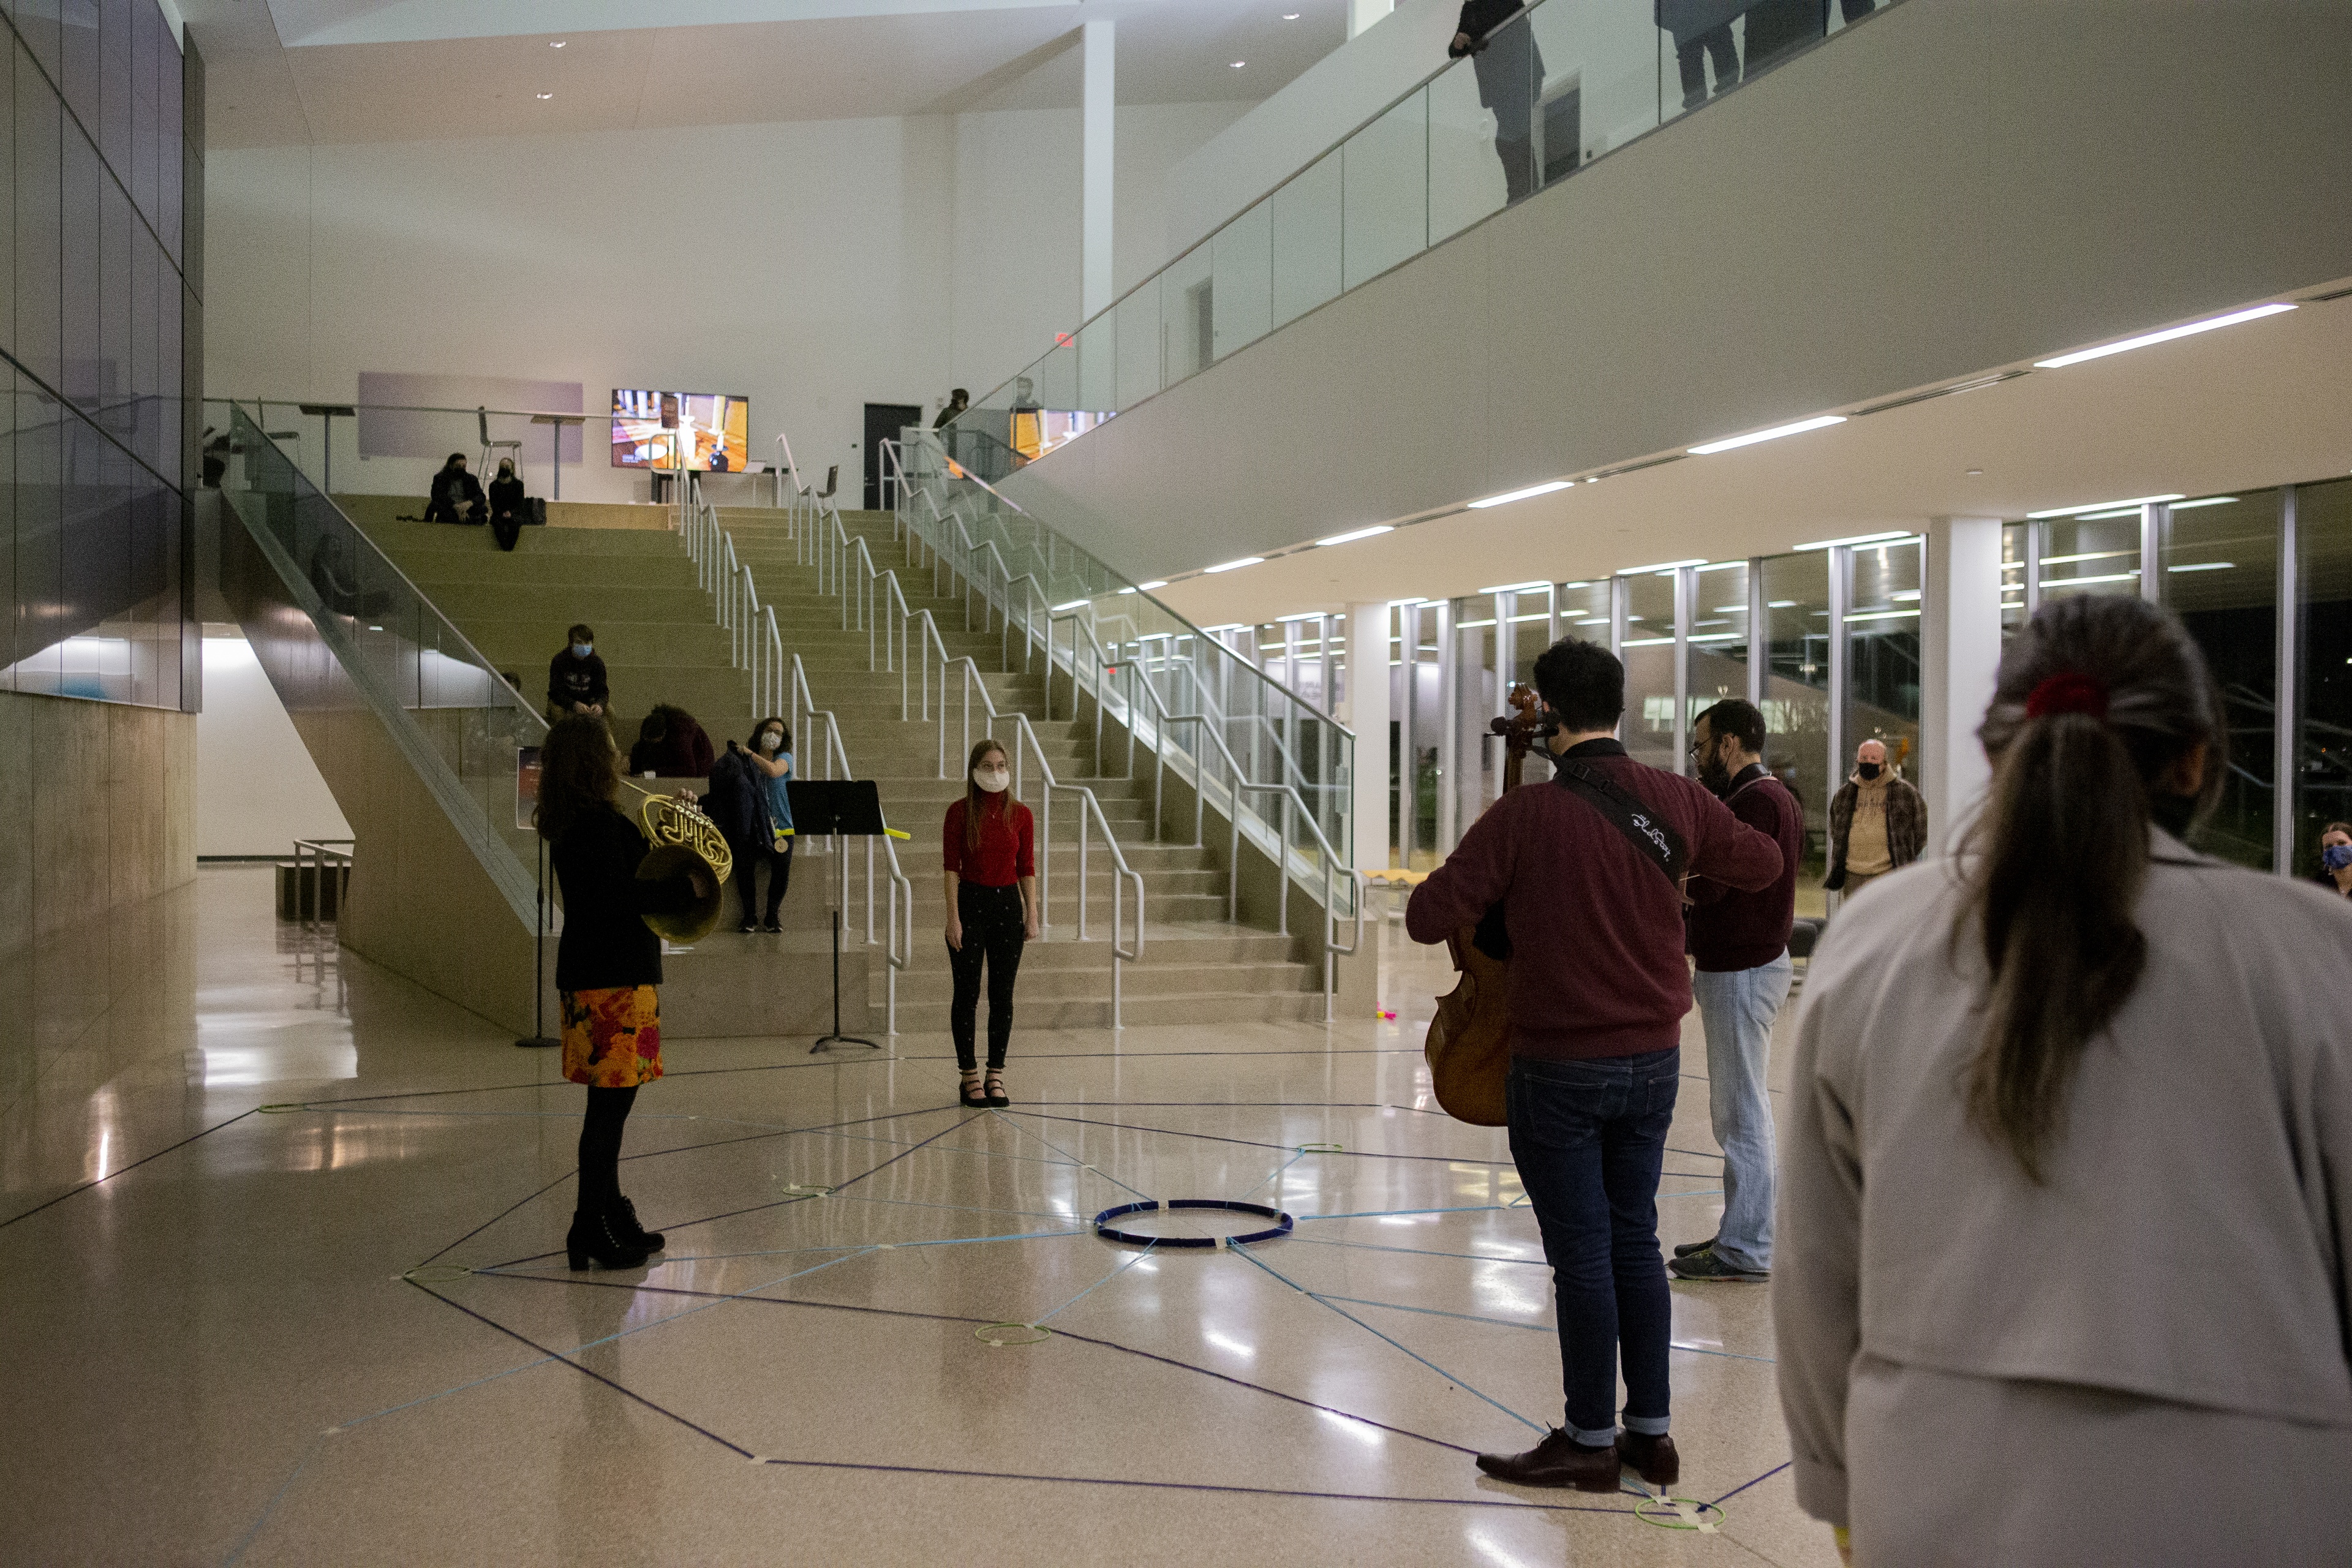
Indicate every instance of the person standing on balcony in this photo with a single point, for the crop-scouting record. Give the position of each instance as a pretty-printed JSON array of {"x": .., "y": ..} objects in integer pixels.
[
  {"x": 988, "y": 845},
  {"x": 958, "y": 400},
  {"x": 1589, "y": 874},
  {"x": 1702, "y": 28},
  {"x": 769, "y": 758},
  {"x": 1739, "y": 949},
  {"x": 1878, "y": 823},
  {"x": 607, "y": 965},
  {"x": 575, "y": 677},
  {"x": 1510, "y": 68}
]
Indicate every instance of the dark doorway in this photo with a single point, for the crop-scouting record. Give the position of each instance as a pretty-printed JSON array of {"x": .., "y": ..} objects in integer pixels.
[{"x": 883, "y": 423}]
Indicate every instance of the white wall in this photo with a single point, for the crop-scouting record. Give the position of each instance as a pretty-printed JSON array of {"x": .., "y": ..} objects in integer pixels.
[
  {"x": 256, "y": 788},
  {"x": 812, "y": 266},
  {"x": 1283, "y": 134}
]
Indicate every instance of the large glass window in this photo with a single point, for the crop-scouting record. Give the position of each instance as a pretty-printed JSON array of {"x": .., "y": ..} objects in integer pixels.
[
  {"x": 2220, "y": 560},
  {"x": 1797, "y": 700},
  {"x": 2323, "y": 522},
  {"x": 1882, "y": 659},
  {"x": 1716, "y": 652},
  {"x": 2095, "y": 554},
  {"x": 1648, "y": 651}
]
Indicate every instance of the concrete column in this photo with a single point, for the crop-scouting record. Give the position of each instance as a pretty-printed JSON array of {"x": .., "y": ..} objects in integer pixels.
[
  {"x": 1368, "y": 716},
  {"x": 1960, "y": 655},
  {"x": 1363, "y": 14},
  {"x": 1095, "y": 197}
]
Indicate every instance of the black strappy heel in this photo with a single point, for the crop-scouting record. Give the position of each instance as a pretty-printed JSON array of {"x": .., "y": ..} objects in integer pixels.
[{"x": 971, "y": 1095}]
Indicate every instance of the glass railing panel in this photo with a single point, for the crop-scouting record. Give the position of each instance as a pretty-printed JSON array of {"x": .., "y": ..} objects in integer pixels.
[
  {"x": 1385, "y": 180},
  {"x": 1598, "y": 81},
  {"x": 1138, "y": 315},
  {"x": 1305, "y": 240},
  {"x": 1241, "y": 278},
  {"x": 1056, "y": 383},
  {"x": 1467, "y": 178},
  {"x": 1187, "y": 315},
  {"x": 1098, "y": 365},
  {"x": 388, "y": 642}
]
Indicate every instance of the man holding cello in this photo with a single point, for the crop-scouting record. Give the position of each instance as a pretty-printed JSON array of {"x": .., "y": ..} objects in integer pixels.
[{"x": 1589, "y": 871}]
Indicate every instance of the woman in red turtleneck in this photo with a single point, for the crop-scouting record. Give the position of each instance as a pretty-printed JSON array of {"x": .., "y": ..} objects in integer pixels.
[{"x": 988, "y": 845}]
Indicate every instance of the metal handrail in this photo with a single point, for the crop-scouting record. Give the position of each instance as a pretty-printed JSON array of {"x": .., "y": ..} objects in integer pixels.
[
  {"x": 899, "y": 914},
  {"x": 323, "y": 849}
]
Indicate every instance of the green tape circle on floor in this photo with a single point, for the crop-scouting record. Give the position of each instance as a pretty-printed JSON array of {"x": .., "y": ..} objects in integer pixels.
[{"x": 999, "y": 1334}]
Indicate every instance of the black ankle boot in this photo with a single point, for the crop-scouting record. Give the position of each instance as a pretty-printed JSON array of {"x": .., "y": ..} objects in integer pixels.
[
  {"x": 594, "y": 1235},
  {"x": 624, "y": 1214}
]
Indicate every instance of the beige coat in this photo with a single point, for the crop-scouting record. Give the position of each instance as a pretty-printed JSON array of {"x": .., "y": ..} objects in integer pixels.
[{"x": 2189, "y": 1249}]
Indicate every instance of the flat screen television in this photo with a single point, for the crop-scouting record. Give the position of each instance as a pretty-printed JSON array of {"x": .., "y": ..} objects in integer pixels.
[{"x": 650, "y": 429}]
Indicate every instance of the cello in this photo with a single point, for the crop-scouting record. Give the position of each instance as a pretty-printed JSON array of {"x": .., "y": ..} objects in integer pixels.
[{"x": 1468, "y": 1046}]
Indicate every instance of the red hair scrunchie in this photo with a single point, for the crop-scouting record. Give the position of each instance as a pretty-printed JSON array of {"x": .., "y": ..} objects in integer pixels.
[{"x": 2069, "y": 691}]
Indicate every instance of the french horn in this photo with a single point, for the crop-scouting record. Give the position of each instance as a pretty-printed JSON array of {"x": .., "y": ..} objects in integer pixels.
[{"x": 684, "y": 839}]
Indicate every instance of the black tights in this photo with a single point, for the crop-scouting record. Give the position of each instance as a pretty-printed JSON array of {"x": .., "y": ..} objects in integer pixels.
[
  {"x": 994, "y": 929},
  {"x": 749, "y": 857},
  {"x": 600, "y": 1146}
]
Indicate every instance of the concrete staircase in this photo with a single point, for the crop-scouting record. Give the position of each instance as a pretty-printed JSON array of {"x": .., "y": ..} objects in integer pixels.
[{"x": 637, "y": 587}]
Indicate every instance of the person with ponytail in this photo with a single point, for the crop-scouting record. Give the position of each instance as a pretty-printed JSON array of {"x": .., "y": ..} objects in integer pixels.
[
  {"x": 2065, "y": 1229},
  {"x": 989, "y": 849}
]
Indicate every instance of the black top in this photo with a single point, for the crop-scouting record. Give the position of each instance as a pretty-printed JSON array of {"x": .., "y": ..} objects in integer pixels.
[
  {"x": 570, "y": 679},
  {"x": 1480, "y": 17},
  {"x": 605, "y": 943},
  {"x": 451, "y": 485},
  {"x": 506, "y": 496}
]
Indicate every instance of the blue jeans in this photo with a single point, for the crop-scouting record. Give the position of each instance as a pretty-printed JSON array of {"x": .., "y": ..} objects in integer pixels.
[
  {"x": 1590, "y": 1139},
  {"x": 1737, "y": 1007}
]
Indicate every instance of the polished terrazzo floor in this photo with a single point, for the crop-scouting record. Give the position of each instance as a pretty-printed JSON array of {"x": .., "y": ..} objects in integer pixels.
[{"x": 280, "y": 1253}]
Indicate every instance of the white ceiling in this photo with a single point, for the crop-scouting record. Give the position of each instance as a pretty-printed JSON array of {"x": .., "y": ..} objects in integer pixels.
[
  {"x": 2245, "y": 406},
  {"x": 290, "y": 72}
]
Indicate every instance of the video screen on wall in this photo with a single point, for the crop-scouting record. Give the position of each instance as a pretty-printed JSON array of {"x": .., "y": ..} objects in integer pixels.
[{"x": 650, "y": 429}]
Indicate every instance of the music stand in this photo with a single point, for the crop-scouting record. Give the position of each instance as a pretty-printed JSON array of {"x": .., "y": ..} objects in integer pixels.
[{"x": 836, "y": 809}]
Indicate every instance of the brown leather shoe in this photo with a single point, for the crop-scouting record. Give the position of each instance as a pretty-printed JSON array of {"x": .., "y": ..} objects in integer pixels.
[
  {"x": 1652, "y": 1458},
  {"x": 1560, "y": 1461}
]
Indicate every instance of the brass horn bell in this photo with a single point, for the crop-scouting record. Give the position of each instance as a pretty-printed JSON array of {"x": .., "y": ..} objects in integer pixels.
[{"x": 683, "y": 840}]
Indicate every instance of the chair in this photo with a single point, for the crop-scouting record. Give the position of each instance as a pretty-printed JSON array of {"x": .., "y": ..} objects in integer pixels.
[
  {"x": 831, "y": 482},
  {"x": 482, "y": 413}
]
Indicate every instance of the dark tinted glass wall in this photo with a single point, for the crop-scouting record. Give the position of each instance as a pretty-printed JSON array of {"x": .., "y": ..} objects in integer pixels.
[{"x": 101, "y": 173}]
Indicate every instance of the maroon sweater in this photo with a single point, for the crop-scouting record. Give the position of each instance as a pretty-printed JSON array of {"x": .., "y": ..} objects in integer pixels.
[
  {"x": 1731, "y": 930},
  {"x": 1596, "y": 931}
]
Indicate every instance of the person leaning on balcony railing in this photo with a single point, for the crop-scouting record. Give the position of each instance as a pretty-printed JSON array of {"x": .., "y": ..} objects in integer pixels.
[
  {"x": 958, "y": 400},
  {"x": 1508, "y": 66}
]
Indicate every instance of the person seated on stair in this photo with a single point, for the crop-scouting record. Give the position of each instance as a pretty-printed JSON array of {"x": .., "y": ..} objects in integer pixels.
[
  {"x": 575, "y": 677},
  {"x": 505, "y": 505},
  {"x": 456, "y": 495},
  {"x": 671, "y": 745}
]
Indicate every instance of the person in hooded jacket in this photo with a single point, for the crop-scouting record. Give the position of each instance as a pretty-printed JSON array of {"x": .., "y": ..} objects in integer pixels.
[{"x": 456, "y": 495}]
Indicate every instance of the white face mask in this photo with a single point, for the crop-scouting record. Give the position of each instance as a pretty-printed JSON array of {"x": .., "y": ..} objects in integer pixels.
[
  {"x": 992, "y": 780},
  {"x": 770, "y": 740}
]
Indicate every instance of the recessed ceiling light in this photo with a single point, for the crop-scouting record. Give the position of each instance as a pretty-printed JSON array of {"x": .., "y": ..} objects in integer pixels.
[
  {"x": 1774, "y": 434},
  {"x": 1238, "y": 64},
  {"x": 1976, "y": 473},
  {"x": 1859, "y": 539},
  {"x": 1660, "y": 566},
  {"x": 1234, "y": 566},
  {"x": 1351, "y": 538},
  {"x": 1509, "y": 495},
  {"x": 1290, "y": 15},
  {"x": 546, "y": 95},
  {"x": 1155, "y": 582},
  {"x": 558, "y": 43},
  {"x": 2104, "y": 506},
  {"x": 2166, "y": 336}
]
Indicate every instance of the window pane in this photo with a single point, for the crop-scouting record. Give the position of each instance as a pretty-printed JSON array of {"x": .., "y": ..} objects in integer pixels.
[
  {"x": 2014, "y": 546},
  {"x": 1797, "y": 700},
  {"x": 37, "y": 340},
  {"x": 78, "y": 313},
  {"x": 1718, "y": 635},
  {"x": 2322, "y": 523},
  {"x": 2221, "y": 575},
  {"x": 1882, "y": 653},
  {"x": 2094, "y": 555},
  {"x": 1649, "y": 654}
]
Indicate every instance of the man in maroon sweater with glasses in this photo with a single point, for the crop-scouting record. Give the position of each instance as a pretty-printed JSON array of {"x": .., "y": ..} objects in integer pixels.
[{"x": 1588, "y": 870}]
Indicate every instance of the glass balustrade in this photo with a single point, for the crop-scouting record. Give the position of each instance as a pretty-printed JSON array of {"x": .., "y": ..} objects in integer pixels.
[
  {"x": 1554, "y": 87},
  {"x": 341, "y": 631}
]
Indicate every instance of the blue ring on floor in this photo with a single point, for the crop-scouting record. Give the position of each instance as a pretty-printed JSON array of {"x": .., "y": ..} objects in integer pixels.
[{"x": 1109, "y": 1232}]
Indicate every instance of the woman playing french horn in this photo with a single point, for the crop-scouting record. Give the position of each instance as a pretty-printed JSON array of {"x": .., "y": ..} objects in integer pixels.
[{"x": 606, "y": 967}]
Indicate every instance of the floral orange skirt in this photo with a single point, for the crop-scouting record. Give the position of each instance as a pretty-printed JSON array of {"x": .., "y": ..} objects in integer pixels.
[{"x": 612, "y": 1038}]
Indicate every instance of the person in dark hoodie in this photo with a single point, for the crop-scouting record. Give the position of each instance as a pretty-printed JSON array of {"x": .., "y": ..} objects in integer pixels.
[
  {"x": 456, "y": 495},
  {"x": 575, "y": 677},
  {"x": 671, "y": 744}
]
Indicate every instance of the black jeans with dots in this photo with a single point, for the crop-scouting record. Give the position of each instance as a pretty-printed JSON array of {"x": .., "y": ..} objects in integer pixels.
[{"x": 994, "y": 930}]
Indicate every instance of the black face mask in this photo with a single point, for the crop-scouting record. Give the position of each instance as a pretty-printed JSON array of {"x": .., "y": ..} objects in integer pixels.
[
  {"x": 2173, "y": 813},
  {"x": 1867, "y": 770}
]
